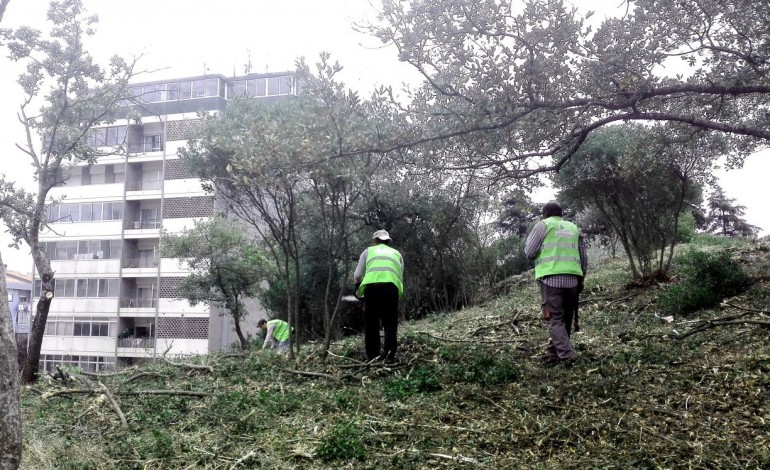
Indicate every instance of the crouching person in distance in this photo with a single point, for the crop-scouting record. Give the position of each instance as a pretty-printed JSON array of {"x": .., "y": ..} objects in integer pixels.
[{"x": 277, "y": 334}]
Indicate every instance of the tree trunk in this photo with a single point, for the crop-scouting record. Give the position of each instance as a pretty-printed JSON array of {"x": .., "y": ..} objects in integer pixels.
[
  {"x": 3, "y": 6},
  {"x": 29, "y": 372},
  {"x": 10, "y": 407},
  {"x": 241, "y": 338}
]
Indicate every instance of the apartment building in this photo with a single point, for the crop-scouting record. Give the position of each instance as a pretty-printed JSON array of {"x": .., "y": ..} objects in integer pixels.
[{"x": 116, "y": 299}]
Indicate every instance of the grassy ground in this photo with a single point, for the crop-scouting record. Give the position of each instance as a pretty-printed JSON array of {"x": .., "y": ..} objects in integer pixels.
[{"x": 468, "y": 394}]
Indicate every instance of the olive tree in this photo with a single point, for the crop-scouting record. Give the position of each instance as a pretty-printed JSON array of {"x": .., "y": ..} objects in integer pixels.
[
  {"x": 641, "y": 181},
  {"x": 532, "y": 80},
  {"x": 65, "y": 94},
  {"x": 226, "y": 267}
]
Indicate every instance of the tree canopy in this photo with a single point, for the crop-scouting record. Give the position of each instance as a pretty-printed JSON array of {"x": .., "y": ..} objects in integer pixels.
[
  {"x": 226, "y": 267},
  {"x": 725, "y": 217},
  {"x": 530, "y": 81},
  {"x": 641, "y": 181}
]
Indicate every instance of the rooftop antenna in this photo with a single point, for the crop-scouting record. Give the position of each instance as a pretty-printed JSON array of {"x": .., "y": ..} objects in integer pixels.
[
  {"x": 247, "y": 67},
  {"x": 205, "y": 69}
]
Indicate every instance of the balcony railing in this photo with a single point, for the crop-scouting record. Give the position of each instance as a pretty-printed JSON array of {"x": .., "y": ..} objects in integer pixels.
[
  {"x": 142, "y": 224},
  {"x": 144, "y": 185},
  {"x": 135, "y": 302},
  {"x": 22, "y": 318},
  {"x": 140, "y": 263},
  {"x": 146, "y": 147},
  {"x": 141, "y": 343}
]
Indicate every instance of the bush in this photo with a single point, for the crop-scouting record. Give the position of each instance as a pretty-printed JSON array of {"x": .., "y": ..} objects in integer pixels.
[
  {"x": 710, "y": 277},
  {"x": 342, "y": 442},
  {"x": 421, "y": 380}
]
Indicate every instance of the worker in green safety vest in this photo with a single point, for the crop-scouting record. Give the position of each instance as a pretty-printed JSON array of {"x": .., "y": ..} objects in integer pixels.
[
  {"x": 379, "y": 279},
  {"x": 277, "y": 334},
  {"x": 561, "y": 263}
]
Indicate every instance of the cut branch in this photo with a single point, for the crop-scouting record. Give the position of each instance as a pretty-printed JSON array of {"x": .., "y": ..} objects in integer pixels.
[
  {"x": 115, "y": 405},
  {"x": 87, "y": 391},
  {"x": 186, "y": 365},
  {"x": 310, "y": 374}
]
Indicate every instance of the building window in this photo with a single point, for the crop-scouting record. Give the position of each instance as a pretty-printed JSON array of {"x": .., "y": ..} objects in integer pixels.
[
  {"x": 153, "y": 143},
  {"x": 273, "y": 86},
  {"x": 83, "y": 288},
  {"x": 185, "y": 90},
  {"x": 237, "y": 89},
  {"x": 48, "y": 362},
  {"x": 116, "y": 136},
  {"x": 284, "y": 85},
  {"x": 85, "y": 212}
]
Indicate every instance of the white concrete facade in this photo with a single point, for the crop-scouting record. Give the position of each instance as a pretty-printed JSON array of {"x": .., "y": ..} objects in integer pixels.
[{"x": 116, "y": 300}]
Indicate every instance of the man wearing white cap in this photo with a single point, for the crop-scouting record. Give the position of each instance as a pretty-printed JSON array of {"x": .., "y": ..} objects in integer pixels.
[{"x": 379, "y": 278}]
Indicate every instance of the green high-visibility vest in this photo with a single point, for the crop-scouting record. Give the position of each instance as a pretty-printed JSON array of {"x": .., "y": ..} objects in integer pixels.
[
  {"x": 383, "y": 264},
  {"x": 559, "y": 253},
  {"x": 281, "y": 331}
]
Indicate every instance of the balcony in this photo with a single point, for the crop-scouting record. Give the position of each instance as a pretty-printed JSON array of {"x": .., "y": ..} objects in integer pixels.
[
  {"x": 137, "y": 302},
  {"x": 141, "y": 263},
  {"x": 149, "y": 145},
  {"x": 22, "y": 318},
  {"x": 152, "y": 224},
  {"x": 154, "y": 185},
  {"x": 136, "y": 343}
]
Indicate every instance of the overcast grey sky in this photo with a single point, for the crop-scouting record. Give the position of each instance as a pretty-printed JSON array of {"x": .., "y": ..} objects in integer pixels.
[{"x": 187, "y": 37}]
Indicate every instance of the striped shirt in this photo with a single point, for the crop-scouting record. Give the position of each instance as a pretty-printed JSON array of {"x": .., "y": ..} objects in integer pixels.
[{"x": 532, "y": 248}]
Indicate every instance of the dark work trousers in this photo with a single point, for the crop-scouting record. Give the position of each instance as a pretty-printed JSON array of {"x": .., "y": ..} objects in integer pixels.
[
  {"x": 380, "y": 305},
  {"x": 560, "y": 302}
]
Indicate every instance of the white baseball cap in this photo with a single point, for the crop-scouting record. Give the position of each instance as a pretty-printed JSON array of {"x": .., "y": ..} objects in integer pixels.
[{"x": 381, "y": 235}]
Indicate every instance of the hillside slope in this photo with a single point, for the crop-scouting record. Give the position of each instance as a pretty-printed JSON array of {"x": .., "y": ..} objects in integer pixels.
[{"x": 468, "y": 393}]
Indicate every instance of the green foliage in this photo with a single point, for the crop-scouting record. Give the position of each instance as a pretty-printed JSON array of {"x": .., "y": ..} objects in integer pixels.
[
  {"x": 226, "y": 266},
  {"x": 477, "y": 397},
  {"x": 641, "y": 181},
  {"x": 342, "y": 442},
  {"x": 686, "y": 229},
  {"x": 163, "y": 445},
  {"x": 423, "y": 379},
  {"x": 710, "y": 277},
  {"x": 485, "y": 370},
  {"x": 725, "y": 217},
  {"x": 567, "y": 75}
]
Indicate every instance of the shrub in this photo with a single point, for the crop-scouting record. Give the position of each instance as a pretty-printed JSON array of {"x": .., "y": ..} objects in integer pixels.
[
  {"x": 710, "y": 277},
  {"x": 486, "y": 370},
  {"x": 342, "y": 442},
  {"x": 422, "y": 379}
]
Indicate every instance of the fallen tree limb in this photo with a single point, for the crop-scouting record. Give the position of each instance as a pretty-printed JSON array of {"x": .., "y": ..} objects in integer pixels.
[
  {"x": 746, "y": 309},
  {"x": 246, "y": 457},
  {"x": 108, "y": 374},
  {"x": 189, "y": 393},
  {"x": 140, "y": 375},
  {"x": 115, "y": 405},
  {"x": 186, "y": 365},
  {"x": 87, "y": 391},
  {"x": 715, "y": 323},
  {"x": 310, "y": 374},
  {"x": 449, "y": 340}
]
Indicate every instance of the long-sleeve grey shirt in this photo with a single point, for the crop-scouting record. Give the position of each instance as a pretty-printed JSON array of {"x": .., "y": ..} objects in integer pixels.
[{"x": 532, "y": 248}]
